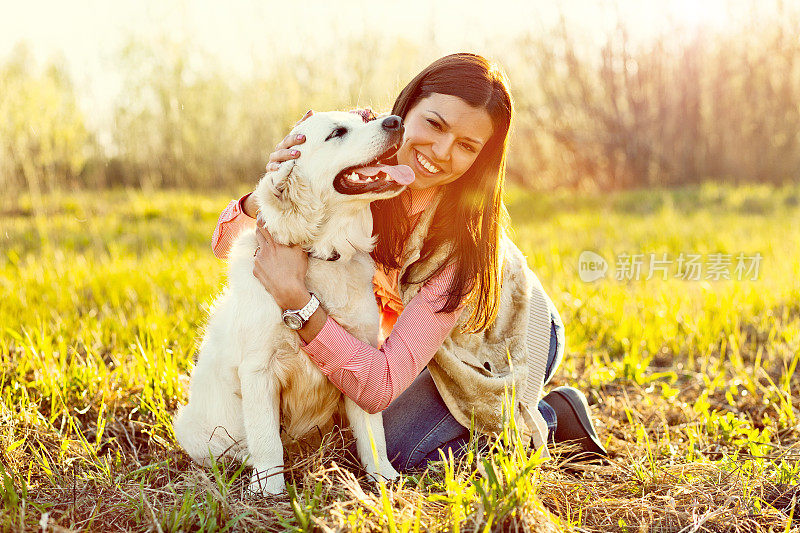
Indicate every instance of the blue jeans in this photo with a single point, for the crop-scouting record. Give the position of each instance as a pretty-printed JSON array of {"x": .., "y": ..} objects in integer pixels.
[{"x": 418, "y": 424}]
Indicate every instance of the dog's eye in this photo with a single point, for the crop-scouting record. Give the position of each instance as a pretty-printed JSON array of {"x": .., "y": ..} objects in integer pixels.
[{"x": 338, "y": 132}]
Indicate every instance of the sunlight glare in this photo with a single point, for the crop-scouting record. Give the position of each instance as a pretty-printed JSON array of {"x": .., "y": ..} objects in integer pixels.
[{"x": 693, "y": 14}]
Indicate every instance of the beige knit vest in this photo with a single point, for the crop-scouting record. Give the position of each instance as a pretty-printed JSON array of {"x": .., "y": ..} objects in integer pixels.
[{"x": 476, "y": 372}]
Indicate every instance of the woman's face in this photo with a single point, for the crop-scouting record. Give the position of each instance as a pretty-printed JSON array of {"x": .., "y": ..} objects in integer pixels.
[{"x": 443, "y": 136}]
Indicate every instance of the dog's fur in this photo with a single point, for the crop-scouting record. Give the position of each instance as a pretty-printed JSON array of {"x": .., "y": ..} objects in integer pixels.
[{"x": 251, "y": 377}]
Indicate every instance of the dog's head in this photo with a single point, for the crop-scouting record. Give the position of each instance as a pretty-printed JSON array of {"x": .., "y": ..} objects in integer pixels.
[
  {"x": 342, "y": 165},
  {"x": 343, "y": 159}
]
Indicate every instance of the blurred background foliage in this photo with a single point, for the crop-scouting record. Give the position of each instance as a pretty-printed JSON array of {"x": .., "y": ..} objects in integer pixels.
[{"x": 688, "y": 105}]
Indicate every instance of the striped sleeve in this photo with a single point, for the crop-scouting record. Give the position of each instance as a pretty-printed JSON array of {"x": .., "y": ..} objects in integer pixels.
[
  {"x": 231, "y": 222},
  {"x": 373, "y": 377}
]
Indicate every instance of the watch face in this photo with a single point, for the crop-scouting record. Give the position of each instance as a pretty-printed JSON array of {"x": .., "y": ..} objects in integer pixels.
[{"x": 293, "y": 321}]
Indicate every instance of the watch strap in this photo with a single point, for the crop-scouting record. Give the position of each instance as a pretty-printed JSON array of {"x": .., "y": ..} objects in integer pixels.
[
  {"x": 308, "y": 309},
  {"x": 301, "y": 314}
]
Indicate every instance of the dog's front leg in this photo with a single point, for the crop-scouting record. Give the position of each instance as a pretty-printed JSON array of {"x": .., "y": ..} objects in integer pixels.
[
  {"x": 361, "y": 422},
  {"x": 261, "y": 412}
]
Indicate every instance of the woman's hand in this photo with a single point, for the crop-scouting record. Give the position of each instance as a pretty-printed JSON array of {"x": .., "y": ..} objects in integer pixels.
[
  {"x": 284, "y": 151},
  {"x": 281, "y": 270}
]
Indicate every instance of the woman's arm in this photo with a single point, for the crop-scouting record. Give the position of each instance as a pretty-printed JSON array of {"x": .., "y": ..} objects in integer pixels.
[
  {"x": 233, "y": 219},
  {"x": 374, "y": 377},
  {"x": 370, "y": 376}
]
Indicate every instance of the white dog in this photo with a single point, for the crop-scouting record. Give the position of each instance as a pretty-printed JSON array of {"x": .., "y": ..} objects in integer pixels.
[{"x": 251, "y": 377}]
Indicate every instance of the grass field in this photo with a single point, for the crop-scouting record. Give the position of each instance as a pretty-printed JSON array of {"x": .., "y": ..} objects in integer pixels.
[{"x": 695, "y": 383}]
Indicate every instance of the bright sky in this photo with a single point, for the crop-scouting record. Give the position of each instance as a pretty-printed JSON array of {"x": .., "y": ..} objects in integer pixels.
[{"x": 88, "y": 34}]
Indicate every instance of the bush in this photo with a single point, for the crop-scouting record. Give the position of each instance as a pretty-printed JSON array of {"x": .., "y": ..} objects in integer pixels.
[{"x": 44, "y": 141}]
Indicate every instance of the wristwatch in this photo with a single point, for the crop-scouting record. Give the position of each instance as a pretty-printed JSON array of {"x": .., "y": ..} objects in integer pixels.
[{"x": 297, "y": 318}]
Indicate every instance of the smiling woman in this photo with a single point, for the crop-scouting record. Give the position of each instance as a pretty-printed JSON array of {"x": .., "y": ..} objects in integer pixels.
[{"x": 463, "y": 319}]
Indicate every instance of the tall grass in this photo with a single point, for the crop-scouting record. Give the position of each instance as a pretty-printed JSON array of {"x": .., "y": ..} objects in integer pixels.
[
  {"x": 694, "y": 384},
  {"x": 682, "y": 107}
]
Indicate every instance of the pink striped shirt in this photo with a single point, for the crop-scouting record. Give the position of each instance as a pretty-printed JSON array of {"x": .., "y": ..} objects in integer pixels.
[
  {"x": 372, "y": 377},
  {"x": 231, "y": 222}
]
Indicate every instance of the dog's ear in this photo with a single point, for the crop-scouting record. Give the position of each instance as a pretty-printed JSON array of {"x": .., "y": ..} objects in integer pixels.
[
  {"x": 279, "y": 180},
  {"x": 297, "y": 193},
  {"x": 295, "y": 210},
  {"x": 289, "y": 186}
]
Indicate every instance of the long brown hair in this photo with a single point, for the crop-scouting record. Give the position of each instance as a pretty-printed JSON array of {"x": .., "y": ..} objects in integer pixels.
[{"x": 475, "y": 198}]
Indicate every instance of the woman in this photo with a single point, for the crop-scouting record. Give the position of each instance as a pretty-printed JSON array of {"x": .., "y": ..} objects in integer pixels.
[{"x": 448, "y": 282}]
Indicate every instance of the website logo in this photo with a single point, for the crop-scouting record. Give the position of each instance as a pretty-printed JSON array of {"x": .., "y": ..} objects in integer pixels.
[{"x": 591, "y": 266}]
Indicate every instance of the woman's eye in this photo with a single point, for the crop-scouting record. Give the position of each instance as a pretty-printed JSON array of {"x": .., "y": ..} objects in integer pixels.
[
  {"x": 468, "y": 147},
  {"x": 435, "y": 124},
  {"x": 338, "y": 132}
]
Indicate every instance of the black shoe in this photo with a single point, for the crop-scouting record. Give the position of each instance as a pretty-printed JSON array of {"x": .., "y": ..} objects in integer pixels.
[{"x": 575, "y": 424}]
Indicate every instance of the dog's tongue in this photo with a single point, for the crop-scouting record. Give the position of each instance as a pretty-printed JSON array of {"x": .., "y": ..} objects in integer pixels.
[{"x": 401, "y": 174}]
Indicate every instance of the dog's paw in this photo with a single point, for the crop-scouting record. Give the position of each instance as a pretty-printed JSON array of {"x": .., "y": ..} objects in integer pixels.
[
  {"x": 264, "y": 485},
  {"x": 386, "y": 472}
]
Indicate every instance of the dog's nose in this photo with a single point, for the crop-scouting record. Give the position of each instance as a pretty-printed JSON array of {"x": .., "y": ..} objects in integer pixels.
[{"x": 392, "y": 123}]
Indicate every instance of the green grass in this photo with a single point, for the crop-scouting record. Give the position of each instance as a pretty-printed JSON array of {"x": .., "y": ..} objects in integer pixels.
[{"x": 696, "y": 384}]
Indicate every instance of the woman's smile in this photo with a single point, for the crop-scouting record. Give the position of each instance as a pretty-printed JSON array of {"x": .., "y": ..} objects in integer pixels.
[{"x": 425, "y": 164}]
